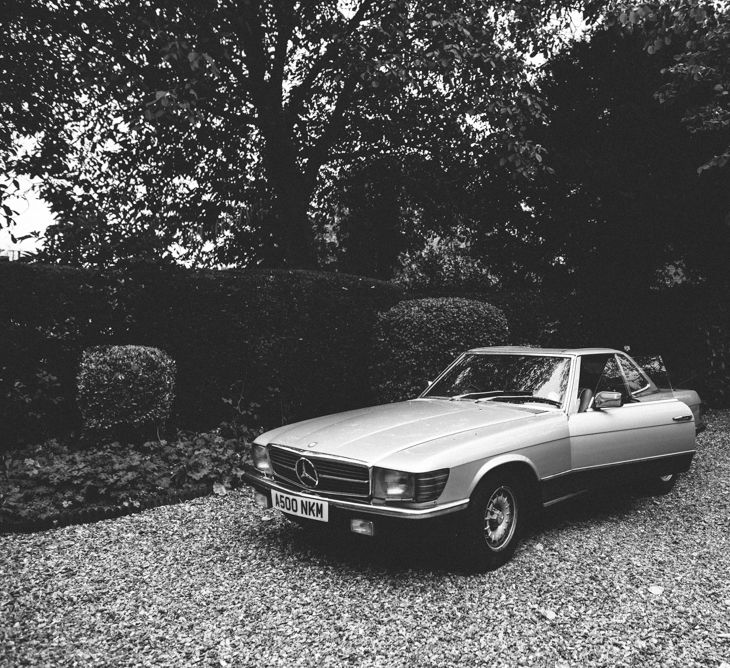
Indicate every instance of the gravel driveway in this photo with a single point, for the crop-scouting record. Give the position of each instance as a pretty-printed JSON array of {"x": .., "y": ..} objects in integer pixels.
[{"x": 608, "y": 581}]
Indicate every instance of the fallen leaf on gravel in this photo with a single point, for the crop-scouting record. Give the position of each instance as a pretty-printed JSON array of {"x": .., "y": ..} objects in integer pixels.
[
  {"x": 656, "y": 590},
  {"x": 548, "y": 614}
]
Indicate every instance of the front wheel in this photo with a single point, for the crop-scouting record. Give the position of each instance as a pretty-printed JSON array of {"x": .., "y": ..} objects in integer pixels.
[{"x": 493, "y": 522}]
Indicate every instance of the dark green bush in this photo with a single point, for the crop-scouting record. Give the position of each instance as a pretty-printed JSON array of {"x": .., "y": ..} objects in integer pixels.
[
  {"x": 686, "y": 324},
  {"x": 417, "y": 338},
  {"x": 49, "y": 478},
  {"x": 48, "y": 315},
  {"x": 717, "y": 380},
  {"x": 294, "y": 342},
  {"x": 29, "y": 403},
  {"x": 127, "y": 389}
]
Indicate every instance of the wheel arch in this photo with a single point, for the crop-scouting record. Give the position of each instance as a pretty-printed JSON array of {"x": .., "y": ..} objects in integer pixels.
[{"x": 516, "y": 465}]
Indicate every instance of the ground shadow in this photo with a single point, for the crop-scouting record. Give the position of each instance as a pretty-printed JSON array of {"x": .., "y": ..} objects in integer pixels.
[
  {"x": 419, "y": 550},
  {"x": 596, "y": 506}
]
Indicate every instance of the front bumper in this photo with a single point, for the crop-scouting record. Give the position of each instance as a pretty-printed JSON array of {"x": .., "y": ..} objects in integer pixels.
[{"x": 362, "y": 509}]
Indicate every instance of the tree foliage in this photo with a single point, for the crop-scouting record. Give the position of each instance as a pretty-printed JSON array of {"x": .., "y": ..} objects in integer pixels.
[
  {"x": 626, "y": 213},
  {"x": 161, "y": 125},
  {"x": 697, "y": 33}
]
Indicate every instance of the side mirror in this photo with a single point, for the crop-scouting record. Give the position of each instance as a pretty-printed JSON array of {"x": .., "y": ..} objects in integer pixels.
[
  {"x": 608, "y": 400},
  {"x": 429, "y": 383}
]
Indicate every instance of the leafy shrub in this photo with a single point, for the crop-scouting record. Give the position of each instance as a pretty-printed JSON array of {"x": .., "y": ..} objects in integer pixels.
[
  {"x": 125, "y": 388},
  {"x": 41, "y": 480},
  {"x": 50, "y": 314},
  {"x": 29, "y": 403},
  {"x": 295, "y": 338},
  {"x": 417, "y": 338},
  {"x": 717, "y": 380}
]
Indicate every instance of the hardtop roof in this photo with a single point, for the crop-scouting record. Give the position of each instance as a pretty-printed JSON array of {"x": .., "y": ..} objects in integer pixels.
[{"x": 546, "y": 351}]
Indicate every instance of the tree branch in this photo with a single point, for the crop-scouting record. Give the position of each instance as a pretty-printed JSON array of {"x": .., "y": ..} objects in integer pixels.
[
  {"x": 251, "y": 33},
  {"x": 284, "y": 12},
  {"x": 298, "y": 94},
  {"x": 334, "y": 127}
]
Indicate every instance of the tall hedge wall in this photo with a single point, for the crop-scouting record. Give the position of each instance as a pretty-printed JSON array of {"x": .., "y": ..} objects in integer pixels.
[
  {"x": 417, "y": 338},
  {"x": 689, "y": 325},
  {"x": 292, "y": 341}
]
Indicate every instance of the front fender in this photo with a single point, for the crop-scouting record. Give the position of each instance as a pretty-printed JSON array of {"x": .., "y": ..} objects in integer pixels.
[{"x": 500, "y": 460}]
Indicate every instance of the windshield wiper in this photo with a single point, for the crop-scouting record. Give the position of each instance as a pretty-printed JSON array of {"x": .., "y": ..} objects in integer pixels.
[
  {"x": 477, "y": 395},
  {"x": 522, "y": 396}
]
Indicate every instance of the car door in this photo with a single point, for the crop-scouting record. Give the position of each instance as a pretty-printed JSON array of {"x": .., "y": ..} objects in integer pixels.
[{"x": 629, "y": 436}]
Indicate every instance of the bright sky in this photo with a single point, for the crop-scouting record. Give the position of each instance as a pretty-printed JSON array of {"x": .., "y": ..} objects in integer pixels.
[{"x": 33, "y": 216}]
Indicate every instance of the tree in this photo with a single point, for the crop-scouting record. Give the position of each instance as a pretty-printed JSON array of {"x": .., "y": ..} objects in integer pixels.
[
  {"x": 697, "y": 33},
  {"x": 214, "y": 121},
  {"x": 626, "y": 205}
]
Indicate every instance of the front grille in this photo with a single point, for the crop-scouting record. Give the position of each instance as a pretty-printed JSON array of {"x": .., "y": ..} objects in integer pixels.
[{"x": 336, "y": 477}]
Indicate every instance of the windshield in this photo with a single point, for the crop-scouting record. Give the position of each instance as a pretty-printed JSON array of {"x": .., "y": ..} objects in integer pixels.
[{"x": 500, "y": 377}]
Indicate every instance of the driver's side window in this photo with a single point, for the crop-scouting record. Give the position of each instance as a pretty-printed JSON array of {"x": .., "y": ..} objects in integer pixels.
[{"x": 599, "y": 373}]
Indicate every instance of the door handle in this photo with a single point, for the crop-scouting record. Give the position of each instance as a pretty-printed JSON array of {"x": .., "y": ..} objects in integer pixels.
[{"x": 682, "y": 418}]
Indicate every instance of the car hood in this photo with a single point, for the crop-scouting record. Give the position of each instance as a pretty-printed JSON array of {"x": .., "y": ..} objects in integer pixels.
[{"x": 371, "y": 434}]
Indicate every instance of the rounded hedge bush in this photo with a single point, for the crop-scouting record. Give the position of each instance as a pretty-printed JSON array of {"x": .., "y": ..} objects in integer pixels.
[
  {"x": 417, "y": 338},
  {"x": 125, "y": 389}
]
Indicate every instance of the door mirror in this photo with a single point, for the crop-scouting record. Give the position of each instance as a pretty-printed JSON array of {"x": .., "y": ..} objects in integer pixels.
[
  {"x": 608, "y": 399},
  {"x": 429, "y": 383}
]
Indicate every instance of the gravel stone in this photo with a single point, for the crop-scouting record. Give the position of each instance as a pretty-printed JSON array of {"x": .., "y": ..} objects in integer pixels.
[{"x": 615, "y": 580}]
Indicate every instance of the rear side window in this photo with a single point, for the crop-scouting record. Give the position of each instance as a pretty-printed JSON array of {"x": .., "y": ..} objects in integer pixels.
[
  {"x": 635, "y": 380},
  {"x": 655, "y": 369}
]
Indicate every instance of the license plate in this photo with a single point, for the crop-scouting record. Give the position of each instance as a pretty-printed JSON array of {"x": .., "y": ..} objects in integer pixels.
[{"x": 301, "y": 507}]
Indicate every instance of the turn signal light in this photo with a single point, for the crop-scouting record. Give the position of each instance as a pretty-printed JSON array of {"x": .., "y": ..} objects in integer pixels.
[
  {"x": 363, "y": 527},
  {"x": 261, "y": 500}
]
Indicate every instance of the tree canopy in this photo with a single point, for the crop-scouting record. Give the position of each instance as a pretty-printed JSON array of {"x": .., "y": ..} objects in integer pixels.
[
  {"x": 160, "y": 125},
  {"x": 697, "y": 34}
]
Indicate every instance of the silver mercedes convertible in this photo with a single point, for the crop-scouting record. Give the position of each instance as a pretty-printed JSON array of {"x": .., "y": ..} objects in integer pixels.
[{"x": 499, "y": 434}]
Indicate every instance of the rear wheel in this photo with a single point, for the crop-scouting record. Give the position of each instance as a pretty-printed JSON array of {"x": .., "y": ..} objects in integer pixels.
[
  {"x": 663, "y": 484},
  {"x": 493, "y": 522}
]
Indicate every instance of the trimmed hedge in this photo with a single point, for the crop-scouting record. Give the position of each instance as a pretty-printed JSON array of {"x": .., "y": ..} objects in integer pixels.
[
  {"x": 686, "y": 324},
  {"x": 125, "y": 388},
  {"x": 292, "y": 341},
  {"x": 417, "y": 338}
]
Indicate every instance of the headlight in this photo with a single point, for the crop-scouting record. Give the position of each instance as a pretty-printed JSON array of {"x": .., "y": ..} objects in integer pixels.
[
  {"x": 402, "y": 486},
  {"x": 393, "y": 485},
  {"x": 260, "y": 456}
]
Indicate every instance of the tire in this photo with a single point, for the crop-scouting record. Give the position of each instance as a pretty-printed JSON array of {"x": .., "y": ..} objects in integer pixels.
[
  {"x": 493, "y": 523},
  {"x": 660, "y": 485}
]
